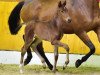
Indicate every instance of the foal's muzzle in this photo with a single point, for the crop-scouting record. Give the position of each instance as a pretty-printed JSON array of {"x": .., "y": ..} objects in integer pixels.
[{"x": 69, "y": 20}]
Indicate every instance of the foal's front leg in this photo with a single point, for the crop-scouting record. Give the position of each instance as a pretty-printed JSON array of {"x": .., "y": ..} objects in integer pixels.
[
  {"x": 55, "y": 57},
  {"x": 58, "y": 43}
]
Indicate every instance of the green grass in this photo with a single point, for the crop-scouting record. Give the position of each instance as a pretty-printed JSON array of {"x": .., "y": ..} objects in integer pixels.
[{"x": 38, "y": 70}]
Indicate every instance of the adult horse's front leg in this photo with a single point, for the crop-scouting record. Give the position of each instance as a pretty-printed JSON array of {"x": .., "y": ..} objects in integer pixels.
[{"x": 84, "y": 37}]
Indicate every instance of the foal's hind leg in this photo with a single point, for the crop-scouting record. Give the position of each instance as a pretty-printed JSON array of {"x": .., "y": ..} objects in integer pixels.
[
  {"x": 23, "y": 51},
  {"x": 84, "y": 37},
  {"x": 29, "y": 34},
  {"x": 29, "y": 55},
  {"x": 58, "y": 43},
  {"x": 97, "y": 31}
]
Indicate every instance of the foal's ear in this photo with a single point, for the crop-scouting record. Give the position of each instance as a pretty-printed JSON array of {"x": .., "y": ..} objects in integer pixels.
[
  {"x": 59, "y": 4},
  {"x": 64, "y": 4}
]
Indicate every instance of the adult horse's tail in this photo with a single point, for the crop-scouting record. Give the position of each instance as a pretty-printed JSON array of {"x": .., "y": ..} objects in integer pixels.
[{"x": 14, "y": 19}]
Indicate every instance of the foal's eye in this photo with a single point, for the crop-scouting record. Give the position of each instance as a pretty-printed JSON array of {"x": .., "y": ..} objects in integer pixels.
[{"x": 62, "y": 11}]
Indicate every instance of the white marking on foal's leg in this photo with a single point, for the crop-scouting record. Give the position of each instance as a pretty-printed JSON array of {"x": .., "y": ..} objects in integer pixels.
[
  {"x": 55, "y": 58},
  {"x": 21, "y": 68},
  {"x": 67, "y": 57}
]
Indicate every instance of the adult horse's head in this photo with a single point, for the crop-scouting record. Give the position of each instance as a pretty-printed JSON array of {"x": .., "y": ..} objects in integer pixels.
[{"x": 63, "y": 11}]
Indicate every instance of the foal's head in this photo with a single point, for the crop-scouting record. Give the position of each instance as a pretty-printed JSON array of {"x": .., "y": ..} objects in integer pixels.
[{"x": 63, "y": 12}]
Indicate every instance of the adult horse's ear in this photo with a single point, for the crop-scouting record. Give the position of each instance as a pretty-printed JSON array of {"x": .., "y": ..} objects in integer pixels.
[
  {"x": 64, "y": 4},
  {"x": 60, "y": 4}
]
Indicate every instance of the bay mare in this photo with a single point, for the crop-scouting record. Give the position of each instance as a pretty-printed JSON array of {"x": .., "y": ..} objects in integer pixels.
[
  {"x": 44, "y": 28},
  {"x": 85, "y": 17}
]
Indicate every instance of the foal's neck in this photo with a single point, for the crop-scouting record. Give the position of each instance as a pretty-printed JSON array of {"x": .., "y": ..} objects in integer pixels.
[{"x": 57, "y": 20}]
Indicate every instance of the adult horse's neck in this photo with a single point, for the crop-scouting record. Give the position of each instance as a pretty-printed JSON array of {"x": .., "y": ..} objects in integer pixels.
[
  {"x": 88, "y": 8},
  {"x": 95, "y": 6}
]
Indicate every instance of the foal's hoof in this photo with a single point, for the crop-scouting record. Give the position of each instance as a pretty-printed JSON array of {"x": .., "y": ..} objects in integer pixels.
[
  {"x": 78, "y": 63},
  {"x": 54, "y": 71},
  {"x": 21, "y": 72},
  {"x": 44, "y": 66},
  {"x": 65, "y": 65}
]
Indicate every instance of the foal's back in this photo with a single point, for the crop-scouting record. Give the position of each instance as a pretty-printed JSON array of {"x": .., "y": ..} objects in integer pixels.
[{"x": 47, "y": 31}]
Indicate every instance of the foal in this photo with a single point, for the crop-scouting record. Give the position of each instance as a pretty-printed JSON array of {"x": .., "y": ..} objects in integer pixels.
[{"x": 47, "y": 30}]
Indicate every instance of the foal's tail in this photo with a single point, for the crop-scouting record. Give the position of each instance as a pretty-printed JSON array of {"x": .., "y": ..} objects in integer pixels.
[{"x": 14, "y": 19}]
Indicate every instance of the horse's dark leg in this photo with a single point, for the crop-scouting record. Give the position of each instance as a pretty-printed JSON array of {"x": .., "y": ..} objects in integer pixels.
[
  {"x": 41, "y": 51},
  {"x": 84, "y": 37},
  {"x": 29, "y": 55}
]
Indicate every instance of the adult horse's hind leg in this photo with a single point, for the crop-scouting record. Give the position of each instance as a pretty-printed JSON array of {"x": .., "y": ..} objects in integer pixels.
[
  {"x": 29, "y": 57},
  {"x": 97, "y": 31},
  {"x": 34, "y": 48},
  {"x": 84, "y": 37},
  {"x": 40, "y": 50}
]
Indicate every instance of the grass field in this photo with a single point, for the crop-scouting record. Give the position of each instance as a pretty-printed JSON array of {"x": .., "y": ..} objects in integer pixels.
[{"x": 38, "y": 70}]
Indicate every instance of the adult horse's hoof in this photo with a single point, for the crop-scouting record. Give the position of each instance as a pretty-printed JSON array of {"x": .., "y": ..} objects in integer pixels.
[
  {"x": 78, "y": 63},
  {"x": 63, "y": 67},
  {"x": 50, "y": 67}
]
